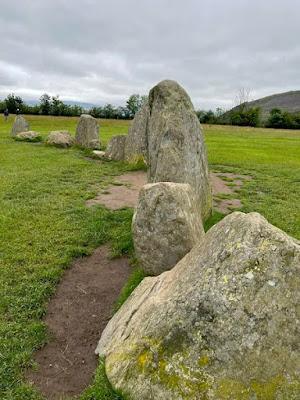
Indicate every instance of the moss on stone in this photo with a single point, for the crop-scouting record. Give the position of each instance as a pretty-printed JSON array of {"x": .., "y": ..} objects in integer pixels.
[{"x": 276, "y": 388}]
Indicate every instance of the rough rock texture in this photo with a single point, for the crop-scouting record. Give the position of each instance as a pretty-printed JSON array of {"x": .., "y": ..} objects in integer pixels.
[
  {"x": 222, "y": 324},
  {"x": 87, "y": 132},
  {"x": 116, "y": 148},
  {"x": 60, "y": 139},
  {"x": 136, "y": 146},
  {"x": 28, "y": 136},
  {"x": 176, "y": 147},
  {"x": 166, "y": 225},
  {"x": 20, "y": 125}
]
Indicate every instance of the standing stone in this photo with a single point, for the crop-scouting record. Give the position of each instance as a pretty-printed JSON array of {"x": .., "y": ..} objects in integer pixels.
[
  {"x": 20, "y": 125},
  {"x": 176, "y": 148},
  {"x": 60, "y": 139},
  {"x": 87, "y": 132},
  {"x": 222, "y": 324},
  {"x": 136, "y": 146},
  {"x": 115, "y": 148},
  {"x": 166, "y": 225}
]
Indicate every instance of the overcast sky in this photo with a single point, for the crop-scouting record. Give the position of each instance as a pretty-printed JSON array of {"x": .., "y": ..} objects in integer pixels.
[{"x": 102, "y": 51}]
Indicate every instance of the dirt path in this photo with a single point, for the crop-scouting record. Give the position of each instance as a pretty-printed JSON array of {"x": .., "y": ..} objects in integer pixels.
[
  {"x": 76, "y": 317},
  {"x": 125, "y": 191}
]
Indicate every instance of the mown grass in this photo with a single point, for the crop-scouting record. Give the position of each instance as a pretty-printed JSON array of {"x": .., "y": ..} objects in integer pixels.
[
  {"x": 44, "y": 124},
  {"x": 44, "y": 223}
]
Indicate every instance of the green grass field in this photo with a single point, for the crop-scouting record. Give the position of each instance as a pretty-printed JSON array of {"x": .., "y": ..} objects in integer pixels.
[{"x": 44, "y": 223}]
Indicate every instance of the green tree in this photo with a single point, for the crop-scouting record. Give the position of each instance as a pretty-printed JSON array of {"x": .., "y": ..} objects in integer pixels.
[
  {"x": 108, "y": 111},
  {"x": 45, "y": 104},
  {"x": 283, "y": 119},
  {"x": 244, "y": 116},
  {"x": 13, "y": 103},
  {"x": 135, "y": 103},
  {"x": 57, "y": 106}
]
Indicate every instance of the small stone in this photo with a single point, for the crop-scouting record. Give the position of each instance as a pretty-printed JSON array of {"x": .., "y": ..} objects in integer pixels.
[
  {"x": 60, "y": 139},
  {"x": 28, "y": 136},
  {"x": 99, "y": 153}
]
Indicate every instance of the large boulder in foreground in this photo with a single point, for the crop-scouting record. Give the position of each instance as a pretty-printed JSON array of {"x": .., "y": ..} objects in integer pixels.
[
  {"x": 223, "y": 324},
  {"x": 60, "y": 139},
  {"x": 166, "y": 225},
  {"x": 20, "y": 125},
  {"x": 87, "y": 132},
  {"x": 136, "y": 146},
  {"x": 115, "y": 148},
  {"x": 176, "y": 148}
]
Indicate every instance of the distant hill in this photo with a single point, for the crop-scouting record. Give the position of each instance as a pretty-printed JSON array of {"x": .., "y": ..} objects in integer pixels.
[{"x": 288, "y": 101}]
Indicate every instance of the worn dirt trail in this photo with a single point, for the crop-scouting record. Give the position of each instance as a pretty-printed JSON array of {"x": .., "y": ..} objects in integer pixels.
[{"x": 76, "y": 316}]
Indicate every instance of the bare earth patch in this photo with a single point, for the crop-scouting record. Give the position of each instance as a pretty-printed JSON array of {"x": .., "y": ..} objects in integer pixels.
[
  {"x": 123, "y": 194},
  {"x": 125, "y": 191},
  {"x": 76, "y": 316}
]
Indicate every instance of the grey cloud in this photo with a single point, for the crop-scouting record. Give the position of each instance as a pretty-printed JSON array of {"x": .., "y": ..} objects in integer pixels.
[{"x": 100, "y": 51}]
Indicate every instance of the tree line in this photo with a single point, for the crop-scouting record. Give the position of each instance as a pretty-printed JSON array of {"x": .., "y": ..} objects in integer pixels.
[
  {"x": 52, "y": 105},
  {"x": 251, "y": 116},
  {"x": 242, "y": 115}
]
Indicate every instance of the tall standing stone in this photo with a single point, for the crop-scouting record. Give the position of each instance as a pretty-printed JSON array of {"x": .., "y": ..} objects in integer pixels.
[
  {"x": 136, "y": 145},
  {"x": 176, "y": 148},
  {"x": 87, "y": 132},
  {"x": 20, "y": 125},
  {"x": 166, "y": 225},
  {"x": 222, "y": 324}
]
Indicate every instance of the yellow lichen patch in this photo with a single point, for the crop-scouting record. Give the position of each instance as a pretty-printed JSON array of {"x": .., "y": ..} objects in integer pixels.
[
  {"x": 170, "y": 370},
  {"x": 203, "y": 361},
  {"x": 275, "y": 388},
  {"x": 229, "y": 389},
  {"x": 143, "y": 359},
  {"x": 268, "y": 390}
]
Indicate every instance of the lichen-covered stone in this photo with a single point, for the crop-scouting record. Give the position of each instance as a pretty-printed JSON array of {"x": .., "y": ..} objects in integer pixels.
[
  {"x": 223, "y": 324},
  {"x": 176, "y": 148},
  {"x": 87, "y": 132},
  {"x": 60, "y": 139},
  {"x": 116, "y": 148},
  {"x": 166, "y": 225},
  {"x": 28, "y": 136},
  {"x": 20, "y": 125},
  {"x": 136, "y": 146}
]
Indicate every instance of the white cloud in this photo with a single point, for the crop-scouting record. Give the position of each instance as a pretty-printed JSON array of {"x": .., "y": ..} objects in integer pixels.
[{"x": 99, "y": 51}]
